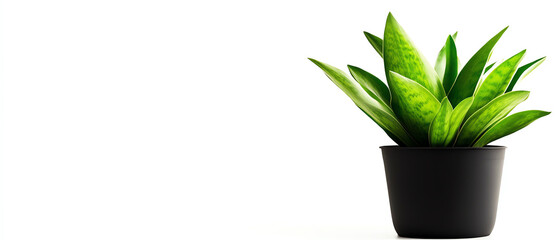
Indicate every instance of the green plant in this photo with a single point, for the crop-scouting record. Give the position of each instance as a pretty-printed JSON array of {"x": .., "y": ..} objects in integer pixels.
[{"x": 443, "y": 106}]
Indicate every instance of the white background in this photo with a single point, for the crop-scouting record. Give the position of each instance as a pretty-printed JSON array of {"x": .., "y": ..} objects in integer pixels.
[{"x": 204, "y": 119}]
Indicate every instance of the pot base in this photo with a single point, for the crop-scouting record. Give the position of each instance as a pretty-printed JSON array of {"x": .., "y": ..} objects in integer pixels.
[{"x": 442, "y": 237}]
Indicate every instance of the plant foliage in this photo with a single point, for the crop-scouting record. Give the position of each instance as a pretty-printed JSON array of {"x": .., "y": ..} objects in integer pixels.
[{"x": 441, "y": 106}]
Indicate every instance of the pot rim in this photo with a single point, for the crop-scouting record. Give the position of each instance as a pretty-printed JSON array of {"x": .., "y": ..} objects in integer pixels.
[{"x": 488, "y": 147}]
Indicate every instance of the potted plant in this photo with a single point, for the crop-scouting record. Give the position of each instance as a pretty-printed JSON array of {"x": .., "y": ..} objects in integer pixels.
[{"x": 443, "y": 179}]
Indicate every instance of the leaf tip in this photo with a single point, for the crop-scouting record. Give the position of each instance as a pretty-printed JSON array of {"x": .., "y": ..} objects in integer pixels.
[
  {"x": 318, "y": 63},
  {"x": 450, "y": 39},
  {"x": 525, "y": 93},
  {"x": 392, "y": 73},
  {"x": 501, "y": 32},
  {"x": 390, "y": 19},
  {"x": 352, "y": 69},
  {"x": 394, "y": 76}
]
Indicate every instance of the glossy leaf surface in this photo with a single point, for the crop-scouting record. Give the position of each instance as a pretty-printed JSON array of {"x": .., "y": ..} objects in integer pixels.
[
  {"x": 414, "y": 105},
  {"x": 439, "y": 127},
  {"x": 468, "y": 78},
  {"x": 376, "y": 42},
  {"x": 376, "y": 110},
  {"x": 487, "y": 115},
  {"x": 374, "y": 86},
  {"x": 488, "y": 67},
  {"x": 509, "y": 125},
  {"x": 447, "y": 64},
  {"x": 523, "y": 71},
  {"x": 496, "y": 82},
  {"x": 441, "y": 58},
  {"x": 456, "y": 120},
  {"x": 401, "y": 56}
]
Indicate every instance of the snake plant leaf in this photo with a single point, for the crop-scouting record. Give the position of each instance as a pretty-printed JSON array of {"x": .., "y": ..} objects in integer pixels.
[
  {"x": 401, "y": 56},
  {"x": 447, "y": 64},
  {"x": 375, "y": 41},
  {"x": 489, "y": 67},
  {"x": 440, "y": 125},
  {"x": 496, "y": 82},
  {"x": 456, "y": 120},
  {"x": 414, "y": 105},
  {"x": 509, "y": 125},
  {"x": 523, "y": 71},
  {"x": 376, "y": 110},
  {"x": 454, "y": 36},
  {"x": 468, "y": 78},
  {"x": 445, "y": 106},
  {"x": 392, "y": 136},
  {"x": 488, "y": 115},
  {"x": 372, "y": 85},
  {"x": 441, "y": 62},
  {"x": 349, "y": 86},
  {"x": 441, "y": 58}
]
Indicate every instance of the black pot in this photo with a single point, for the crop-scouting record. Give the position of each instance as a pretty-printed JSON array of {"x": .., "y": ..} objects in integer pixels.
[{"x": 443, "y": 192}]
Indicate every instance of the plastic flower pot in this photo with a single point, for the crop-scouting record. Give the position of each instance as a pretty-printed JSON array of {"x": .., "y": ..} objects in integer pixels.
[{"x": 446, "y": 192}]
